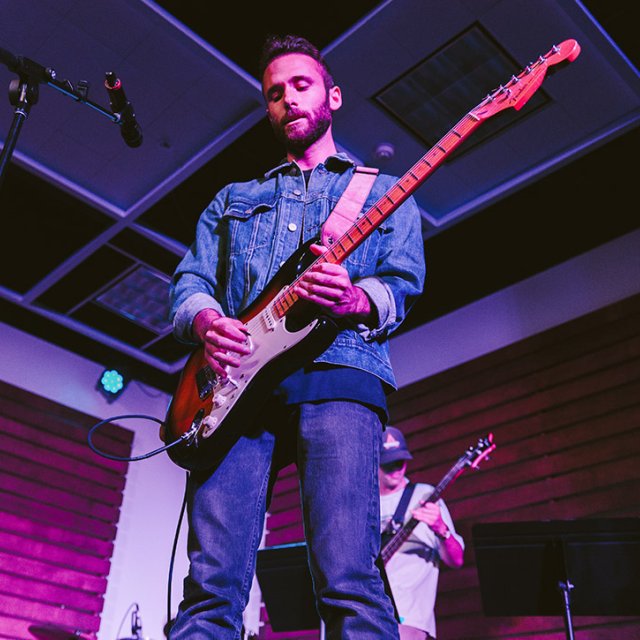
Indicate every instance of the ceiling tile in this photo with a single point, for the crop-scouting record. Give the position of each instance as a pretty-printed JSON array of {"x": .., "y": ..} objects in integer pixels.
[{"x": 535, "y": 192}]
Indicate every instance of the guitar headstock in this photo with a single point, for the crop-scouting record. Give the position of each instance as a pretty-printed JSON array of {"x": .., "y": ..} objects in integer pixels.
[
  {"x": 520, "y": 88},
  {"x": 476, "y": 454}
]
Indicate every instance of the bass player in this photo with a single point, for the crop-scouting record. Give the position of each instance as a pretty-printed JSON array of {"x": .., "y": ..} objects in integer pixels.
[{"x": 413, "y": 571}]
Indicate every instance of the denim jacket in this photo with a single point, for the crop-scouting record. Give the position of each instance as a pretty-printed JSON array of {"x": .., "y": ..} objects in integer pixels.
[{"x": 247, "y": 232}]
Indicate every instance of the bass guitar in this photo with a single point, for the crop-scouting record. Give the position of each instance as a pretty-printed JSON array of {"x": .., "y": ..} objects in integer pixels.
[
  {"x": 282, "y": 327},
  {"x": 474, "y": 455}
]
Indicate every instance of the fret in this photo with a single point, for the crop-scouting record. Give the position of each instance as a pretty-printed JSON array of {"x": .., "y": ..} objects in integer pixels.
[
  {"x": 361, "y": 226},
  {"x": 348, "y": 234},
  {"x": 280, "y": 309},
  {"x": 366, "y": 219},
  {"x": 289, "y": 298},
  {"x": 469, "y": 122},
  {"x": 397, "y": 193},
  {"x": 339, "y": 250},
  {"x": 377, "y": 214}
]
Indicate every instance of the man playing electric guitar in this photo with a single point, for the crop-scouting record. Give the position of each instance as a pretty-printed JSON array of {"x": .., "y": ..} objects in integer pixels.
[
  {"x": 330, "y": 411},
  {"x": 414, "y": 569}
]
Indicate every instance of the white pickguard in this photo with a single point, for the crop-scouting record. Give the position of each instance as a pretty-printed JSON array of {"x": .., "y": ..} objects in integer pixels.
[{"x": 269, "y": 338}]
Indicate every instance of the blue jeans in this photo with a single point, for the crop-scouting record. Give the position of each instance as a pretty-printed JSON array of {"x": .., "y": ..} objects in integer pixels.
[{"x": 337, "y": 456}]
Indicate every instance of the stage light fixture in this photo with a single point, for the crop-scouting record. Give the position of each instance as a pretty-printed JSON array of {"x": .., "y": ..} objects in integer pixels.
[{"x": 112, "y": 383}]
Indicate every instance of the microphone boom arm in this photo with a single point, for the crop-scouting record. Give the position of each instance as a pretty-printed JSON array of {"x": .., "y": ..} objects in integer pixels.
[
  {"x": 34, "y": 73},
  {"x": 24, "y": 91}
]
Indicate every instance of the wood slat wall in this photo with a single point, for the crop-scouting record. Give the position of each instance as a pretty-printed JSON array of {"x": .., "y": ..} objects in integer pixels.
[
  {"x": 564, "y": 408},
  {"x": 59, "y": 508}
]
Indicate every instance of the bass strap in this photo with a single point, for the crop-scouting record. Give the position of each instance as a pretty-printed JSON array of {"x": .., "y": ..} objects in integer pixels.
[
  {"x": 397, "y": 520},
  {"x": 348, "y": 206}
]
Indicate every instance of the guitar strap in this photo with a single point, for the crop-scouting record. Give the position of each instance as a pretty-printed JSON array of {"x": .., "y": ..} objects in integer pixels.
[
  {"x": 348, "y": 206},
  {"x": 394, "y": 525},
  {"x": 398, "y": 517}
]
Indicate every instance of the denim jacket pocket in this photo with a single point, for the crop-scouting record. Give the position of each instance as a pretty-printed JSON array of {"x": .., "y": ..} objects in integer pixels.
[
  {"x": 251, "y": 231},
  {"x": 249, "y": 225}
]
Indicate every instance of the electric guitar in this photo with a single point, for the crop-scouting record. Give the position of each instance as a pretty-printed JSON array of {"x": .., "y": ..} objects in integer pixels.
[
  {"x": 282, "y": 328},
  {"x": 393, "y": 540}
]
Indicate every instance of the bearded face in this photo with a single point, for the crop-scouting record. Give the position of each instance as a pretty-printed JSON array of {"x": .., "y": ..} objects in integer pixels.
[
  {"x": 299, "y": 103},
  {"x": 299, "y": 129}
]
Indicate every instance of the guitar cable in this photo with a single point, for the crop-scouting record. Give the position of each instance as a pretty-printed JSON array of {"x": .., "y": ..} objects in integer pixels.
[
  {"x": 144, "y": 456},
  {"x": 170, "y": 621}
]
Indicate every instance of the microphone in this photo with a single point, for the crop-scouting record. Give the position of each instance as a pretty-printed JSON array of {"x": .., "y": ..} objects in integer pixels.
[{"x": 129, "y": 128}]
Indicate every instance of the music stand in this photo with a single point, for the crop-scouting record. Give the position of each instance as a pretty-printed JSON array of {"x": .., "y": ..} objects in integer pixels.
[
  {"x": 585, "y": 567},
  {"x": 287, "y": 590}
]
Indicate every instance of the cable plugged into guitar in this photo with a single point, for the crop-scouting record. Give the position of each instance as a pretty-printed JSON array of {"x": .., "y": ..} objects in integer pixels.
[{"x": 186, "y": 436}]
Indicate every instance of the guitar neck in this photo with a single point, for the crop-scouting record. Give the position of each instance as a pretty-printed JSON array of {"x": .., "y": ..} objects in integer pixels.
[
  {"x": 388, "y": 203},
  {"x": 514, "y": 94},
  {"x": 402, "y": 535},
  {"x": 401, "y": 190}
]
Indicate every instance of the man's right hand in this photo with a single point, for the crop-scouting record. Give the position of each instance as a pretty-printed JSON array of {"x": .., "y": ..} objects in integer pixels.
[{"x": 224, "y": 339}]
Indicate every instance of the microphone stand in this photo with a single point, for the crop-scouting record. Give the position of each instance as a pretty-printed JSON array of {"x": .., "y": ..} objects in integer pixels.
[{"x": 24, "y": 92}]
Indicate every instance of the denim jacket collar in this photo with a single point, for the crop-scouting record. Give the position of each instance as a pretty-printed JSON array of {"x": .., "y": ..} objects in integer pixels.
[{"x": 340, "y": 161}]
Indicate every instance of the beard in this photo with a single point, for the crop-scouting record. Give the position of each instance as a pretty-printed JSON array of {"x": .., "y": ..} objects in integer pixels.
[{"x": 300, "y": 138}]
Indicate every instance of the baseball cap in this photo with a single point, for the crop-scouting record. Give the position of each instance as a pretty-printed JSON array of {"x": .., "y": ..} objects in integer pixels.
[{"x": 393, "y": 447}]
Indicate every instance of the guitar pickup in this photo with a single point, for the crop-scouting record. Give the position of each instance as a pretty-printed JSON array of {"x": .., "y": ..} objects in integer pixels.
[{"x": 205, "y": 381}]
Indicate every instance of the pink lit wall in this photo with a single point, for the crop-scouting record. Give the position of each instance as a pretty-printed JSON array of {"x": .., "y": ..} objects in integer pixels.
[{"x": 153, "y": 491}]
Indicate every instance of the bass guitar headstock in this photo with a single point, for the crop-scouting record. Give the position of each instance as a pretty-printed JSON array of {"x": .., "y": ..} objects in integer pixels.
[{"x": 476, "y": 454}]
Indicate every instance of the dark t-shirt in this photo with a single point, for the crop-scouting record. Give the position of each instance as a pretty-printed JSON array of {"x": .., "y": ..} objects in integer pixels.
[{"x": 329, "y": 382}]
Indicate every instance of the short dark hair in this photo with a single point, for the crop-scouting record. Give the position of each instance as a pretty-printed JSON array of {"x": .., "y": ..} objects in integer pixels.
[{"x": 276, "y": 46}]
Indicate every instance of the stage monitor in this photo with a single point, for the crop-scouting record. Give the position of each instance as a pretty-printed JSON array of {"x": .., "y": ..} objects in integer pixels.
[{"x": 520, "y": 565}]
